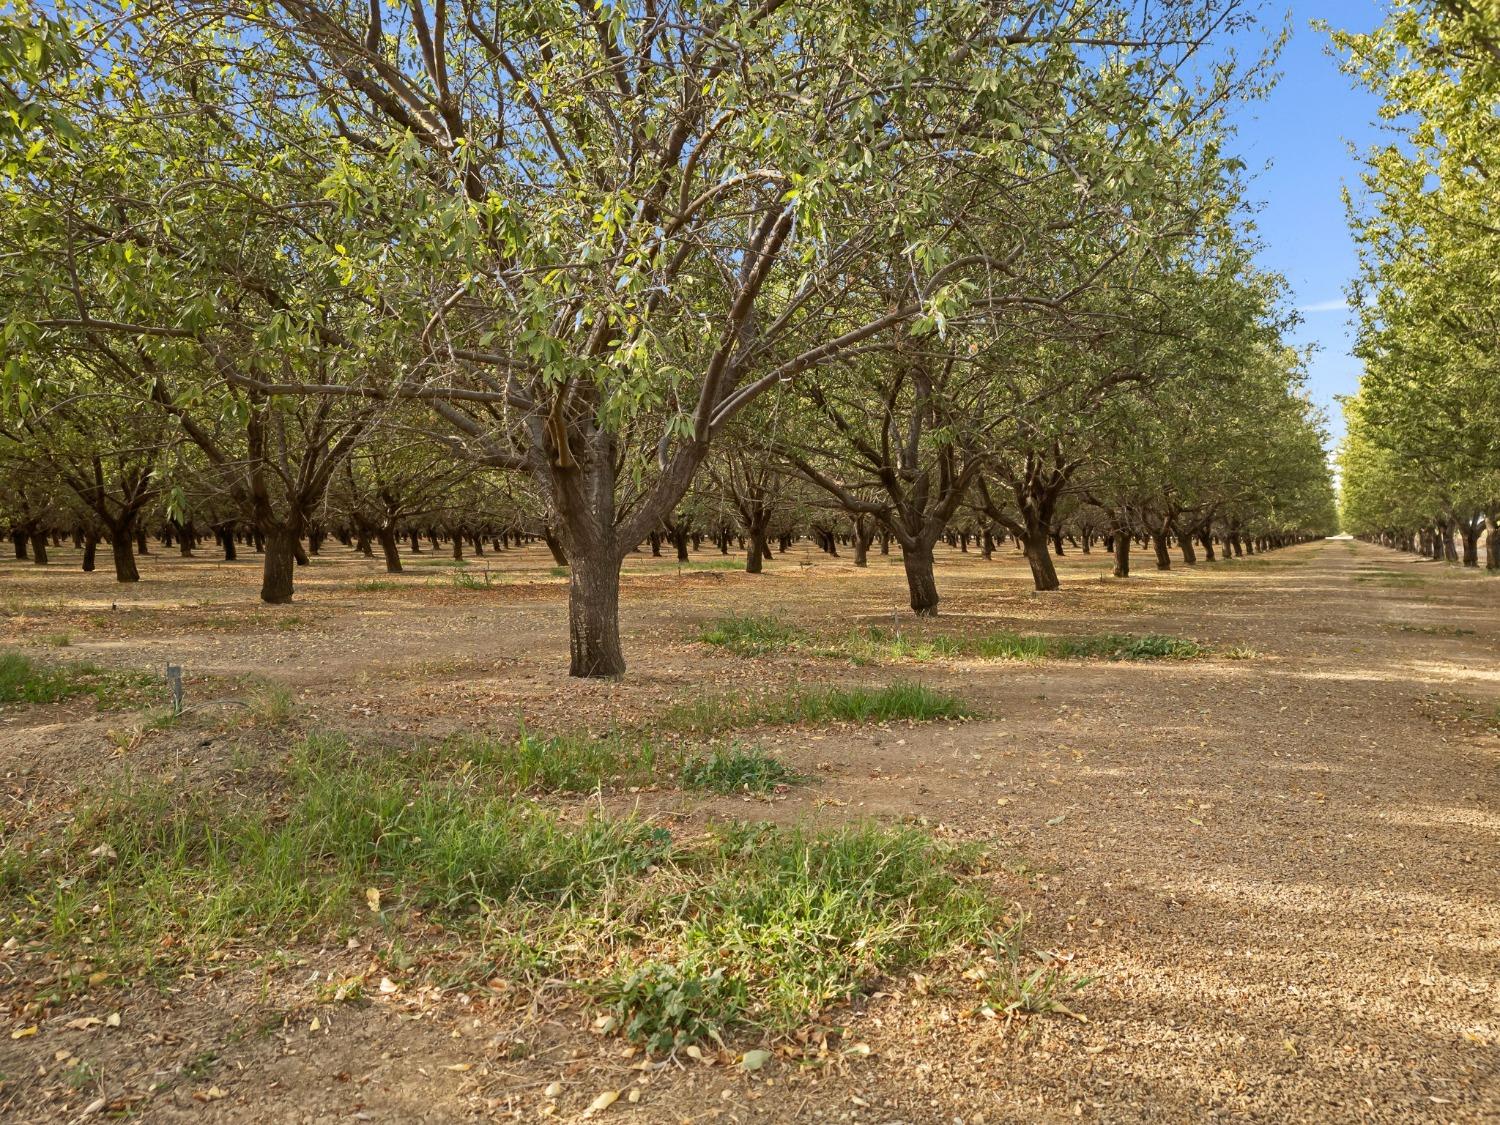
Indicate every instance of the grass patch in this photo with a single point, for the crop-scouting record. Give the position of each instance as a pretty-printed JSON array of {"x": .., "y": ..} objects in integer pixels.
[
  {"x": 468, "y": 580},
  {"x": 750, "y": 636},
  {"x": 23, "y": 680},
  {"x": 559, "y": 572},
  {"x": 679, "y": 938},
  {"x": 1389, "y": 578},
  {"x": 895, "y": 702},
  {"x": 60, "y": 640},
  {"x": 570, "y": 763},
  {"x": 736, "y": 769},
  {"x": 374, "y": 585},
  {"x": 760, "y": 636}
]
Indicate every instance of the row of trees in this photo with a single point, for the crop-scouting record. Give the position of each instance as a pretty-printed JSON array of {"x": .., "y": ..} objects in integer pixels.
[
  {"x": 583, "y": 268},
  {"x": 1421, "y": 463}
]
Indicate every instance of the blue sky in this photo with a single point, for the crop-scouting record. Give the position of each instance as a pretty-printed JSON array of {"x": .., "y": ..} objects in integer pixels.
[{"x": 1303, "y": 131}]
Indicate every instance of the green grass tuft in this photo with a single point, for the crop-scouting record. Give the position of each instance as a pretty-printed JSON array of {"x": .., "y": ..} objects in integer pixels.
[
  {"x": 760, "y": 636},
  {"x": 23, "y": 680},
  {"x": 736, "y": 769},
  {"x": 749, "y": 636},
  {"x": 679, "y": 937},
  {"x": 894, "y": 702}
]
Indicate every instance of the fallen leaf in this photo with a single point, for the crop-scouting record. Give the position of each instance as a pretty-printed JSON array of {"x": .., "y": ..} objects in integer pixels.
[
  {"x": 112, "y": 1020},
  {"x": 23, "y": 1032},
  {"x": 601, "y": 1103},
  {"x": 372, "y": 899},
  {"x": 388, "y": 986},
  {"x": 83, "y": 1023},
  {"x": 754, "y": 1060},
  {"x": 1056, "y": 820}
]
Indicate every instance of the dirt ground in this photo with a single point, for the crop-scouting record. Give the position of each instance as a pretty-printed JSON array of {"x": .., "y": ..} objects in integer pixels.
[{"x": 1281, "y": 870}]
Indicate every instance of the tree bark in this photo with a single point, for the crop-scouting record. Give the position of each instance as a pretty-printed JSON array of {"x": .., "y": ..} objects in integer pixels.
[
  {"x": 1122, "y": 554},
  {"x": 920, "y": 580},
  {"x": 1043, "y": 572},
  {"x": 390, "y": 547},
  {"x": 757, "y": 549},
  {"x": 276, "y": 572},
  {"x": 594, "y": 615},
  {"x": 39, "y": 548},
  {"x": 90, "y": 549},
  {"x": 124, "y": 557},
  {"x": 1163, "y": 558}
]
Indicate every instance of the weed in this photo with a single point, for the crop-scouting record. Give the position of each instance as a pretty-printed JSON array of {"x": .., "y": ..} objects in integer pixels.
[
  {"x": 894, "y": 702},
  {"x": 744, "y": 925},
  {"x": 560, "y": 572},
  {"x": 468, "y": 580},
  {"x": 736, "y": 769},
  {"x": 749, "y": 636},
  {"x": 270, "y": 705},
  {"x": 25, "y": 681},
  {"x": 60, "y": 640},
  {"x": 374, "y": 585},
  {"x": 571, "y": 763},
  {"x": 663, "y": 1007},
  {"x": 758, "y": 636},
  {"x": 1013, "y": 990}
]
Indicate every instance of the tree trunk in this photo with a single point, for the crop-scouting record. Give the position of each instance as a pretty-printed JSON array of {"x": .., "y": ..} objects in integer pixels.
[
  {"x": 124, "y": 557},
  {"x": 1043, "y": 573},
  {"x": 1469, "y": 529},
  {"x": 90, "y": 549},
  {"x": 757, "y": 549},
  {"x": 920, "y": 580},
  {"x": 864, "y": 535},
  {"x": 276, "y": 573},
  {"x": 1163, "y": 558},
  {"x": 39, "y": 548},
  {"x": 1122, "y": 554},
  {"x": 554, "y": 544},
  {"x": 226, "y": 536},
  {"x": 1189, "y": 556},
  {"x": 390, "y": 547},
  {"x": 18, "y": 540},
  {"x": 1492, "y": 546},
  {"x": 594, "y": 615}
]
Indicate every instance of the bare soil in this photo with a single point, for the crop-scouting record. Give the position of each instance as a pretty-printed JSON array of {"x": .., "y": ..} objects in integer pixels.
[{"x": 1281, "y": 870}]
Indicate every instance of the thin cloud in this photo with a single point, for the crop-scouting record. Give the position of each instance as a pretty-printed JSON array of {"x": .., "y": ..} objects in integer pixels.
[{"x": 1325, "y": 306}]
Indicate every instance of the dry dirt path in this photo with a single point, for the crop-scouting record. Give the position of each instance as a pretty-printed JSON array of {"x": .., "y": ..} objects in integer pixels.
[{"x": 1283, "y": 872}]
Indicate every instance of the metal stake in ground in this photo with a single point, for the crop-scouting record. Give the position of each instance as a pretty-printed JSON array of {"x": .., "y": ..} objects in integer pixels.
[{"x": 174, "y": 679}]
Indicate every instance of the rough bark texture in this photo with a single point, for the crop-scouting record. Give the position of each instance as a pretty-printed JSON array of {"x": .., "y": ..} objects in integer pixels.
[
  {"x": 276, "y": 570},
  {"x": 1122, "y": 554},
  {"x": 1163, "y": 557},
  {"x": 124, "y": 557},
  {"x": 594, "y": 615},
  {"x": 390, "y": 548},
  {"x": 920, "y": 581},
  {"x": 1043, "y": 572}
]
